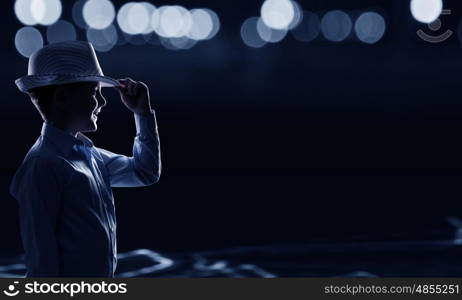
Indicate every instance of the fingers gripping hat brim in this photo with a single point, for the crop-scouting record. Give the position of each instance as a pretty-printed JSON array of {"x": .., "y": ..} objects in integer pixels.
[{"x": 26, "y": 83}]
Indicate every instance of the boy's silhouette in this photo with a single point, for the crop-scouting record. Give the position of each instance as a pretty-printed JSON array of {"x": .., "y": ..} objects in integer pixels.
[{"x": 64, "y": 185}]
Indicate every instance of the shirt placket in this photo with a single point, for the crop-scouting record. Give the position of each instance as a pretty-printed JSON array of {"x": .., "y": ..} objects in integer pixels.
[
  {"x": 96, "y": 179},
  {"x": 111, "y": 216}
]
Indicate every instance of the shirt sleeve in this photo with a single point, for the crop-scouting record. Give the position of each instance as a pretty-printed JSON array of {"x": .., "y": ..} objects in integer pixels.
[
  {"x": 37, "y": 188},
  {"x": 144, "y": 166}
]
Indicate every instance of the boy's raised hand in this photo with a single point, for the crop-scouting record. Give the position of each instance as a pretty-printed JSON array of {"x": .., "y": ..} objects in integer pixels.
[{"x": 135, "y": 95}]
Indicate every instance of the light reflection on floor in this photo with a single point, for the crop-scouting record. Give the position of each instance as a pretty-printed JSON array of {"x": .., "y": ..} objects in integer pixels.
[
  {"x": 148, "y": 263},
  {"x": 431, "y": 258}
]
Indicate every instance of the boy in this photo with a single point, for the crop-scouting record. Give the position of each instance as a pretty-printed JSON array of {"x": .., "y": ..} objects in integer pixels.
[{"x": 64, "y": 185}]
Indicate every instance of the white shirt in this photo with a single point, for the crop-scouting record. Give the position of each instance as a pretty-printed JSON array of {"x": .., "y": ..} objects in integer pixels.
[{"x": 66, "y": 207}]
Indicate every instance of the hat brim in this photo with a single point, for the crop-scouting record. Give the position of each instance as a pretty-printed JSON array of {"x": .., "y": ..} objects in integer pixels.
[{"x": 28, "y": 82}]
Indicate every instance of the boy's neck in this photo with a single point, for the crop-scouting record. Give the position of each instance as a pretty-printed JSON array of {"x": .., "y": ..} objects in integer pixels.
[{"x": 64, "y": 127}]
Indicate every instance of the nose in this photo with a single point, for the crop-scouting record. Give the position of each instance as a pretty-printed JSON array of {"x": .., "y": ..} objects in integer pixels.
[{"x": 101, "y": 101}]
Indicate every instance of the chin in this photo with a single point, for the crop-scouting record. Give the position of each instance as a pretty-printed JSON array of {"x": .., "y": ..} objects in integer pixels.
[{"x": 92, "y": 126}]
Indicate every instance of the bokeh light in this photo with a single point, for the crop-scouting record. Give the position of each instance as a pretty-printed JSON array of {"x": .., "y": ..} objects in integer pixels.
[
  {"x": 202, "y": 24},
  {"x": 268, "y": 34},
  {"x": 135, "y": 18},
  {"x": 183, "y": 43},
  {"x": 170, "y": 21},
  {"x": 277, "y": 14},
  {"x": 152, "y": 39},
  {"x": 43, "y": 12},
  {"x": 103, "y": 40},
  {"x": 155, "y": 20},
  {"x": 298, "y": 15},
  {"x": 77, "y": 14},
  {"x": 215, "y": 21},
  {"x": 175, "y": 21},
  {"x": 22, "y": 9},
  {"x": 426, "y": 11},
  {"x": 46, "y": 12},
  {"x": 138, "y": 18},
  {"x": 98, "y": 14},
  {"x": 370, "y": 27},
  {"x": 181, "y": 27},
  {"x": 28, "y": 40},
  {"x": 309, "y": 27},
  {"x": 149, "y": 8},
  {"x": 61, "y": 31},
  {"x": 135, "y": 39},
  {"x": 178, "y": 43},
  {"x": 249, "y": 33},
  {"x": 167, "y": 43},
  {"x": 336, "y": 25},
  {"x": 122, "y": 18}
]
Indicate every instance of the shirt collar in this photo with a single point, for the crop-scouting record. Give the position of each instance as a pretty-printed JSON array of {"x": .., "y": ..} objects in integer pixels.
[{"x": 63, "y": 140}]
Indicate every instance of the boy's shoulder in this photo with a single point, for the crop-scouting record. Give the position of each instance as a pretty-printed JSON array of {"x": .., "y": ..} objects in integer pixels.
[
  {"x": 40, "y": 161},
  {"x": 41, "y": 152}
]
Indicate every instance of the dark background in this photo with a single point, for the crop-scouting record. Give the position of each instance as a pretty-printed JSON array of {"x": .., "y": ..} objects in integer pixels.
[{"x": 293, "y": 142}]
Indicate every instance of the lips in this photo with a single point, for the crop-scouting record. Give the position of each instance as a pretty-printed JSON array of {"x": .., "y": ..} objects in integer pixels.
[{"x": 95, "y": 113}]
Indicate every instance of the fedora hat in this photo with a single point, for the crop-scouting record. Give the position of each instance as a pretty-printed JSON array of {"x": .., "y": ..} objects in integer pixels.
[{"x": 63, "y": 62}]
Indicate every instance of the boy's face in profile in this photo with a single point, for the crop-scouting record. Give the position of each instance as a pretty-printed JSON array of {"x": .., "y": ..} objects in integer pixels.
[{"x": 81, "y": 104}]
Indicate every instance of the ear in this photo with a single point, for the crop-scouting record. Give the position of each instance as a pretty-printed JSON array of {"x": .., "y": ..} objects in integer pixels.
[{"x": 61, "y": 98}]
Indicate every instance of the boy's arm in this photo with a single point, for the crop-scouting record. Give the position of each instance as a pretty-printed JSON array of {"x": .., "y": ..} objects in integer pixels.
[
  {"x": 36, "y": 187},
  {"x": 144, "y": 166}
]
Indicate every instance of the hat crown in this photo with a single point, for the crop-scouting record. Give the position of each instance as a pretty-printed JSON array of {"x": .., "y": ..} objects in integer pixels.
[
  {"x": 70, "y": 57},
  {"x": 63, "y": 63}
]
